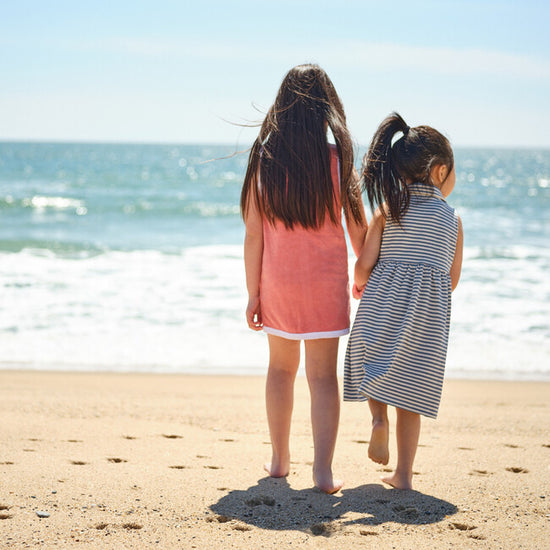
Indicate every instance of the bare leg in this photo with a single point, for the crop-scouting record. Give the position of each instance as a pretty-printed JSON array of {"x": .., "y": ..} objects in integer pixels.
[
  {"x": 321, "y": 360},
  {"x": 284, "y": 358},
  {"x": 379, "y": 451},
  {"x": 407, "y": 432}
]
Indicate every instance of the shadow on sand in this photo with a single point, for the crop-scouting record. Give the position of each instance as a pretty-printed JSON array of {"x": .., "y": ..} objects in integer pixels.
[{"x": 273, "y": 504}]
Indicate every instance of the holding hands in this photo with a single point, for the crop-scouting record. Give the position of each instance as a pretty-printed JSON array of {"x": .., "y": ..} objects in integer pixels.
[{"x": 357, "y": 291}]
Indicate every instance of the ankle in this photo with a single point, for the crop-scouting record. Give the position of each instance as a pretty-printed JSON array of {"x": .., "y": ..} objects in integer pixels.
[
  {"x": 405, "y": 475},
  {"x": 278, "y": 467},
  {"x": 380, "y": 422}
]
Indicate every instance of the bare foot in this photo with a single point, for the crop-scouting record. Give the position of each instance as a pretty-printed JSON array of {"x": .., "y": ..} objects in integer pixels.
[
  {"x": 398, "y": 481},
  {"x": 325, "y": 482},
  {"x": 379, "y": 451},
  {"x": 277, "y": 468}
]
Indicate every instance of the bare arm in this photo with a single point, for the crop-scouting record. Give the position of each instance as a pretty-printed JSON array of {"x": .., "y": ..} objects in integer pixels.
[
  {"x": 357, "y": 230},
  {"x": 253, "y": 251},
  {"x": 456, "y": 267},
  {"x": 370, "y": 252}
]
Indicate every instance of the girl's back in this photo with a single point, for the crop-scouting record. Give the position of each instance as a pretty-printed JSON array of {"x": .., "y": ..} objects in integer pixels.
[
  {"x": 397, "y": 349},
  {"x": 427, "y": 232},
  {"x": 295, "y": 189},
  {"x": 406, "y": 271},
  {"x": 304, "y": 284}
]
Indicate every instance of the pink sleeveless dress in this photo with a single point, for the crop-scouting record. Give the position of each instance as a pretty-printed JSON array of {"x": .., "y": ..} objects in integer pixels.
[{"x": 304, "y": 287}]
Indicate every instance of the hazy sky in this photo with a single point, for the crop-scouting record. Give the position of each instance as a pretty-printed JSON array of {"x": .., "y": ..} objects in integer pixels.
[{"x": 177, "y": 71}]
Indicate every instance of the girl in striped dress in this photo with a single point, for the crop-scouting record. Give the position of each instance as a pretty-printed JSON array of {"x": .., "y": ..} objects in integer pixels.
[
  {"x": 295, "y": 190},
  {"x": 407, "y": 269}
]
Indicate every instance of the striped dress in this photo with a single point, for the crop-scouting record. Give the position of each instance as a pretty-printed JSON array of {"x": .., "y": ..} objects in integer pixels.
[{"x": 398, "y": 344}]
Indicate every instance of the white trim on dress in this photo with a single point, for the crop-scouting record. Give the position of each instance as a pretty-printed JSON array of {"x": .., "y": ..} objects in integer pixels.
[{"x": 306, "y": 335}]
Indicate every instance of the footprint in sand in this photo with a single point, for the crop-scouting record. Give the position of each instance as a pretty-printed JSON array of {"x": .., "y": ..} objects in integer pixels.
[
  {"x": 101, "y": 526},
  {"x": 480, "y": 473},
  {"x": 517, "y": 470},
  {"x": 131, "y": 437},
  {"x": 4, "y": 511},
  {"x": 323, "y": 529},
  {"x": 258, "y": 501},
  {"x": 131, "y": 526},
  {"x": 172, "y": 436},
  {"x": 465, "y": 449},
  {"x": 465, "y": 527},
  {"x": 241, "y": 527},
  {"x": 227, "y": 440},
  {"x": 78, "y": 463},
  {"x": 462, "y": 526},
  {"x": 360, "y": 441},
  {"x": 7, "y": 463},
  {"x": 409, "y": 513},
  {"x": 116, "y": 460},
  {"x": 74, "y": 441},
  {"x": 364, "y": 532},
  {"x": 212, "y": 467},
  {"x": 545, "y": 445},
  {"x": 179, "y": 467},
  {"x": 219, "y": 519},
  {"x": 512, "y": 446}
]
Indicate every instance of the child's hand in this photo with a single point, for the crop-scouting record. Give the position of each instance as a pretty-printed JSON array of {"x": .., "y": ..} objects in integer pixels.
[
  {"x": 254, "y": 313},
  {"x": 357, "y": 292}
]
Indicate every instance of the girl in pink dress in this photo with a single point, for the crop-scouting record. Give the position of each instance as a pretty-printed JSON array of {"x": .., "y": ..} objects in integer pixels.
[{"x": 295, "y": 189}]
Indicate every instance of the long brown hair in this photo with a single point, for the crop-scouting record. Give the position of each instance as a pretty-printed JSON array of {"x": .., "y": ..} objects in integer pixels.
[
  {"x": 291, "y": 155},
  {"x": 388, "y": 165}
]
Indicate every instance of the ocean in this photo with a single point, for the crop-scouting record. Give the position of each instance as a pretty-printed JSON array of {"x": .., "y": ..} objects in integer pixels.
[{"x": 119, "y": 257}]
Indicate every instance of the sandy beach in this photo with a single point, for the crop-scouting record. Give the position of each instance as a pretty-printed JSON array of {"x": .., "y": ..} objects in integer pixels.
[{"x": 175, "y": 461}]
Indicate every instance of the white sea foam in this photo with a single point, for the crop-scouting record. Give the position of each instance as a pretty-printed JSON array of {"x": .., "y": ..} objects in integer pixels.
[
  {"x": 149, "y": 311},
  {"x": 130, "y": 311}
]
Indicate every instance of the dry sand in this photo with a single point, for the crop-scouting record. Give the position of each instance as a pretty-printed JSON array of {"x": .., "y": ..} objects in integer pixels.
[{"x": 175, "y": 461}]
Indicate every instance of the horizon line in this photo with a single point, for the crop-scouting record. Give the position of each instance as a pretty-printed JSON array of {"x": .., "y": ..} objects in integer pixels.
[{"x": 239, "y": 147}]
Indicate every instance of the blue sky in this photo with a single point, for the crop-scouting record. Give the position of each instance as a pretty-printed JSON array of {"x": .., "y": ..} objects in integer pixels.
[{"x": 178, "y": 71}]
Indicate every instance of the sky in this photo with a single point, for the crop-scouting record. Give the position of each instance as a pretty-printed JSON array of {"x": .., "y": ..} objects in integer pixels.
[{"x": 201, "y": 71}]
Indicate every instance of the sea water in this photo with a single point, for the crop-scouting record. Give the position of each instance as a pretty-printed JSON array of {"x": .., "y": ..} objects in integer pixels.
[{"x": 129, "y": 258}]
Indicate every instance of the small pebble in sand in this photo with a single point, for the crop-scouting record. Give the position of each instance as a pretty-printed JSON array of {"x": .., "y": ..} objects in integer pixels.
[{"x": 41, "y": 514}]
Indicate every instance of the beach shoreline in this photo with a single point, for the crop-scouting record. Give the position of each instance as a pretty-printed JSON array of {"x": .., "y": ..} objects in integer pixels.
[{"x": 127, "y": 460}]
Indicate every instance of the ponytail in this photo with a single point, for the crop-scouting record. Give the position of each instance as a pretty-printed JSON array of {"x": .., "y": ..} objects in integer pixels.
[
  {"x": 390, "y": 164},
  {"x": 380, "y": 177}
]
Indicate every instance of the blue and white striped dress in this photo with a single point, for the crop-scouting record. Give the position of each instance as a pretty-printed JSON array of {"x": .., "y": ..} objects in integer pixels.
[{"x": 398, "y": 344}]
